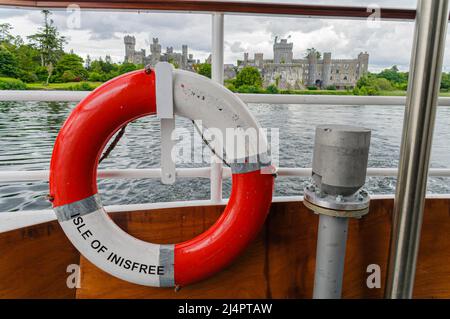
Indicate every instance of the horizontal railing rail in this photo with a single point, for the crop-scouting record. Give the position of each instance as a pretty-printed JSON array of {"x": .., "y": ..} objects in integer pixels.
[
  {"x": 237, "y": 7},
  {"x": 199, "y": 172},
  {"x": 76, "y": 96}
]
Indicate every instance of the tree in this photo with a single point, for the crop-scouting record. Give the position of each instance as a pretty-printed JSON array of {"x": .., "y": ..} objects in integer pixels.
[
  {"x": 87, "y": 63},
  {"x": 204, "y": 69},
  {"x": 371, "y": 84},
  {"x": 49, "y": 43},
  {"x": 5, "y": 35},
  {"x": 249, "y": 76},
  {"x": 70, "y": 68},
  {"x": 445, "y": 82},
  {"x": 8, "y": 64},
  {"x": 393, "y": 75},
  {"x": 127, "y": 67},
  {"x": 313, "y": 51}
]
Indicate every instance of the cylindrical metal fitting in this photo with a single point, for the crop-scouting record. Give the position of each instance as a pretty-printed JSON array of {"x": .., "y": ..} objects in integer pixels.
[{"x": 340, "y": 158}]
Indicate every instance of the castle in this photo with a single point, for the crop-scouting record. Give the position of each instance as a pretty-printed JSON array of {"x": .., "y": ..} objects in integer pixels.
[
  {"x": 288, "y": 73},
  {"x": 183, "y": 60},
  {"x": 283, "y": 70}
]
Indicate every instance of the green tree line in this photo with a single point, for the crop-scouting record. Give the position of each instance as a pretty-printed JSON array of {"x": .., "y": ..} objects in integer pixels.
[{"x": 41, "y": 58}]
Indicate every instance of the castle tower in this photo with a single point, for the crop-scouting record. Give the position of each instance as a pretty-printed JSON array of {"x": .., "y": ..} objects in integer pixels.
[
  {"x": 130, "y": 47},
  {"x": 363, "y": 64},
  {"x": 184, "y": 56},
  {"x": 155, "y": 51},
  {"x": 282, "y": 51},
  {"x": 259, "y": 60},
  {"x": 245, "y": 58},
  {"x": 312, "y": 68},
  {"x": 326, "y": 71}
]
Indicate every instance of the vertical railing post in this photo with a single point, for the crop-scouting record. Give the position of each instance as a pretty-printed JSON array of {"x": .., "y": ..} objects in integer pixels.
[
  {"x": 217, "y": 75},
  {"x": 420, "y": 113}
]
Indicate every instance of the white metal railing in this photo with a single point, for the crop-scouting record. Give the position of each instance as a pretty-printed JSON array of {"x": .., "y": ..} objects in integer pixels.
[
  {"x": 199, "y": 172},
  {"x": 76, "y": 96}
]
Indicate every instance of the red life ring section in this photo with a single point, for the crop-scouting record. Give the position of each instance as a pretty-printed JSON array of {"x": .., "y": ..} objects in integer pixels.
[{"x": 73, "y": 183}]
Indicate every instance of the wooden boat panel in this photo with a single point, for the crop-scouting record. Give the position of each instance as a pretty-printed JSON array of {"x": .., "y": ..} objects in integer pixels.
[
  {"x": 33, "y": 262},
  {"x": 278, "y": 264}
]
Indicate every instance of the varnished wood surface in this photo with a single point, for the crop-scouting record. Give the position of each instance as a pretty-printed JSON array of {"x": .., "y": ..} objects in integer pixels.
[
  {"x": 278, "y": 264},
  {"x": 33, "y": 262},
  {"x": 278, "y": 8}
]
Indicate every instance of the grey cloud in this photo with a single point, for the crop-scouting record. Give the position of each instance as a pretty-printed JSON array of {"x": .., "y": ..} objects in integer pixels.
[
  {"x": 390, "y": 44},
  {"x": 11, "y": 13},
  {"x": 235, "y": 47}
]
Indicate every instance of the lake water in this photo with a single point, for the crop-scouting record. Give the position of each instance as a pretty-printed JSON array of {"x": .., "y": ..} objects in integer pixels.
[{"x": 28, "y": 131}]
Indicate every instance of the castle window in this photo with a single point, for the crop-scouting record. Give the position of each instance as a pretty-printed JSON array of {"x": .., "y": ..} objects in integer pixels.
[
  {"x": 331, "y": 78},
  {"x": 345, "y": 78}
]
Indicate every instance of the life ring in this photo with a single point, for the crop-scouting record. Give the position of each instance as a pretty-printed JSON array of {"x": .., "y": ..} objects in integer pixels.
[{"x": 73, "y": 182}]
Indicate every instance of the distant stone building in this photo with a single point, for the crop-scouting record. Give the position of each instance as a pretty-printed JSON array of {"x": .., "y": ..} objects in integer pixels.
[
  {"x": 183, "y": 60},
  {"x": 289, "y": 73}
]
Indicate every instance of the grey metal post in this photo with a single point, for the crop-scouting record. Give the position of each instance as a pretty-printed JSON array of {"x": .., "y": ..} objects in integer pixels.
[
  {"x": 423, "y": 90},
  {"x": 330, "y": 257},
  {"x": 339, "y": 171}
]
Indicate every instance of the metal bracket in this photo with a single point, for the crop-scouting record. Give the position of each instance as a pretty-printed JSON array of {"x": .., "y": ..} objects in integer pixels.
[{"x": 164, "y": 111}]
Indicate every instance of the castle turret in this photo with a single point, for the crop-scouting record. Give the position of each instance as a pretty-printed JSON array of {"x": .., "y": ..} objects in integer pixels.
[
  {"x": 312, "y": 68},
  {"x": 155, "y": 51},
  {"x": 184, "y": 56},
  {"x": 130, "y": 47},
  {"x": 259, "y": 60},
  {"x": 363, "y": 64},
  {"x": 326, "y": 71},
  {"x": 282, "y": 51},
  {"x": 245, "y": 58}
]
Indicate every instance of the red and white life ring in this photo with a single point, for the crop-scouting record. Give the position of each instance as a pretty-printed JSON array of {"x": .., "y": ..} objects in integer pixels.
[{"x": 73, "y": 182}]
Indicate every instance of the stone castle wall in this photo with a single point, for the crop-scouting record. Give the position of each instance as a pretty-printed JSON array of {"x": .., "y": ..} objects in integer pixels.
[
  {"x": 289, "y": 73},
  {"x": 183, "y": 60}
]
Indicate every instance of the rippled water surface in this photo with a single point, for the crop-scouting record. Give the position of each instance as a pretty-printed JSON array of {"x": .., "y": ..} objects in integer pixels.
[{"x": 28, "y": 131}]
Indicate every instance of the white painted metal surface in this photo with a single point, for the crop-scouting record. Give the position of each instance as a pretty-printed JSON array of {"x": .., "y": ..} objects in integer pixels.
[
  {"x": 217, "y": 75},
  {"x": 164, "y": 90},
  {"x": 76, "y": 96},
  {"x": 199, "y": 172},
  {"x": 165, "y": 112}
]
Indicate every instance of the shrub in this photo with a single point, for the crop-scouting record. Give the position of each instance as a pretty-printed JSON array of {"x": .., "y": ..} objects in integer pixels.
[
  {"x": 8, "y": 63},
  {"x": 41, "y": 73},
  {"x": 68, "y": 76},
  {"x": 248, "y": 76},
  {"x": 272, "y": 89},
  {"x": 249, "y": 89},
  {"x": 204, "y": 69},
  {"x": 12, "y": 84},
  {"x": 82, "y": 86},
  {"x": 95, "y": 77},
  {"x": 383, "y": 84},
  {"x": 312, "y": 88},
  {"x": 28, "y": 77},
  {"x": 231, "y": 87},
  {"x": 331, "y": 87}
]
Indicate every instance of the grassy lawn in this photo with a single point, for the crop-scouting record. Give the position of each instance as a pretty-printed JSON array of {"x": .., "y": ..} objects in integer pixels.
[
  {"x": 60, "y": 86},
  {"x": 393, "y": 93}
]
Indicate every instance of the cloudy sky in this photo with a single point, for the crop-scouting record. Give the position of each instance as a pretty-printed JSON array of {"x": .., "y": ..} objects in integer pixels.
[{"x": 98, "y": 33}]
